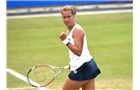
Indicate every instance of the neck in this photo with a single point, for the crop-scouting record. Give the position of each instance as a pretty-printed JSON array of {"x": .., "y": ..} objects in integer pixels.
[{"x": 70, "y": 27}]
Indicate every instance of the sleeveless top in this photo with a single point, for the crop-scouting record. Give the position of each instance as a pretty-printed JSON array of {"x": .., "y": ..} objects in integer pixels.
[{"x": 77, "y": 61}]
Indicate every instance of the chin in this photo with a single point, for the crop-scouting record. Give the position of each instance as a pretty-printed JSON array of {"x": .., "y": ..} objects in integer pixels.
[{"x": 68, "y": 25}]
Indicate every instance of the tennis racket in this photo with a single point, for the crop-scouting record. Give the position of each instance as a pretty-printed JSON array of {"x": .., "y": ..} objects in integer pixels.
[{"x": 43, "y": 74}]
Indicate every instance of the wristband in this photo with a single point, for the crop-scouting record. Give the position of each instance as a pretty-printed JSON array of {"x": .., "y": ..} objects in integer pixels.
[{"x": 66, "y": 41}]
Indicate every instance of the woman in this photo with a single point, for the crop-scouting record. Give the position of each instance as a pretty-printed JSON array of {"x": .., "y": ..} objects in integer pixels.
[{"x": 83, "y": 67}]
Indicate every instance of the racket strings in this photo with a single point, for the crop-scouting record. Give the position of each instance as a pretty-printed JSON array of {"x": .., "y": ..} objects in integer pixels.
[
  {"x": 40, "y": 76},
  {"x": 43, "y": 74}
]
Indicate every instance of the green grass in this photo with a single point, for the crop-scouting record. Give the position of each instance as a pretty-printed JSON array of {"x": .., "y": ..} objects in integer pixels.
[{"x": 31, "y": 41}]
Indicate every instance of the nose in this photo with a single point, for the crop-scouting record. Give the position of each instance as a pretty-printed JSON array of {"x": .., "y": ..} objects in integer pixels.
[{"x": 66, "y": 19}]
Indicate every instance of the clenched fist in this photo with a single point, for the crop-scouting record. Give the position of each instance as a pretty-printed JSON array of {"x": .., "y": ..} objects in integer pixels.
[{"x": 63, "y": 36}]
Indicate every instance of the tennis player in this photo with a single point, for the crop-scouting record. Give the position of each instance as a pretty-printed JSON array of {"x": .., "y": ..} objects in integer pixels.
[{"x": 83, "y": 68}]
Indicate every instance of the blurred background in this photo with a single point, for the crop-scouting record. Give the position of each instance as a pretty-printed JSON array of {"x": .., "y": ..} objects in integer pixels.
[{"x": 36, "y": 7}]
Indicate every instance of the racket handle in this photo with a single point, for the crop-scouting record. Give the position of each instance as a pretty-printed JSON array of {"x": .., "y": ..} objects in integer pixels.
[{"x": 66, "y": 67}]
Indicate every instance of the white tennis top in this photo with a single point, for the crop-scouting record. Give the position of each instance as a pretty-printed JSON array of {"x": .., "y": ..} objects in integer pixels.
[{"x": 77, "y": 61}]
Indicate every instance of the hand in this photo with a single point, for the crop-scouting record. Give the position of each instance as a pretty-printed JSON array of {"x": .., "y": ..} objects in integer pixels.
[
  {"x": 67, "y": 67},
  {"x": 63, "y": 36}
]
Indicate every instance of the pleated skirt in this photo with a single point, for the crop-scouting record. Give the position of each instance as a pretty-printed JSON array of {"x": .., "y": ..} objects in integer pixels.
[{"x": 87, "y": 71}]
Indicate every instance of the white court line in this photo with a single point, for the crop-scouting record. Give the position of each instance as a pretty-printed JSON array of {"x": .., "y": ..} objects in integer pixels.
[
  {"x": 23, "y": 78},
  {"x": 24, "y": 88}
]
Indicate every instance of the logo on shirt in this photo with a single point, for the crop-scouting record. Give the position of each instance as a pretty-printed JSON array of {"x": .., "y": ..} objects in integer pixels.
[{"x": 69, "y": 39}]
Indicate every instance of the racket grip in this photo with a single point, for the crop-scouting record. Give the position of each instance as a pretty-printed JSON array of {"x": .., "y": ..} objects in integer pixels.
[{"x": 66, "y": 67}]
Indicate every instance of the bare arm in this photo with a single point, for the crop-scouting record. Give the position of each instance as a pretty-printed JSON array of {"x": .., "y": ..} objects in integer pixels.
[{"x": 78, "y": 36}]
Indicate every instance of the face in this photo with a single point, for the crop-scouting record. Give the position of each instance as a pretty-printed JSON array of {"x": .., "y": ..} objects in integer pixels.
[{"x": 68, "y": 18}]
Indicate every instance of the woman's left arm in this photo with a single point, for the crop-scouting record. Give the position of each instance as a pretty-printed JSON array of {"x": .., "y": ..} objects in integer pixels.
[{"x": 78, "y": 35}]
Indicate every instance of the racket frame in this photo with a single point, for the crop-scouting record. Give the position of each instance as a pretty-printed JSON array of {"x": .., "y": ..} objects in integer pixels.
[{"x": 52, "y": 67}]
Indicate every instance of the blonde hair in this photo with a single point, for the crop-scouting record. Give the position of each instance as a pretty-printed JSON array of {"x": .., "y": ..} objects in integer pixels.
[{"x": 69, "y": 7}]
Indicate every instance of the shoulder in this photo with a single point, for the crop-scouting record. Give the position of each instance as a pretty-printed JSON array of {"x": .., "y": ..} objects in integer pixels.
[
  {"x": 79, "y": 27},
  {"x": 78, "y": 30}
]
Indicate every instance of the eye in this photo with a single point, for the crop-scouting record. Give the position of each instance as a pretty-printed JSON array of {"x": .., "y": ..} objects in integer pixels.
[
  {"x": 64, "y": 17},
  {"x": 68, "y": 16}
]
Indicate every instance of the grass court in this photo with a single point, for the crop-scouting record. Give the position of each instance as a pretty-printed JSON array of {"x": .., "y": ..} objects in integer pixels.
[{"x": 32, "y": 41}]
